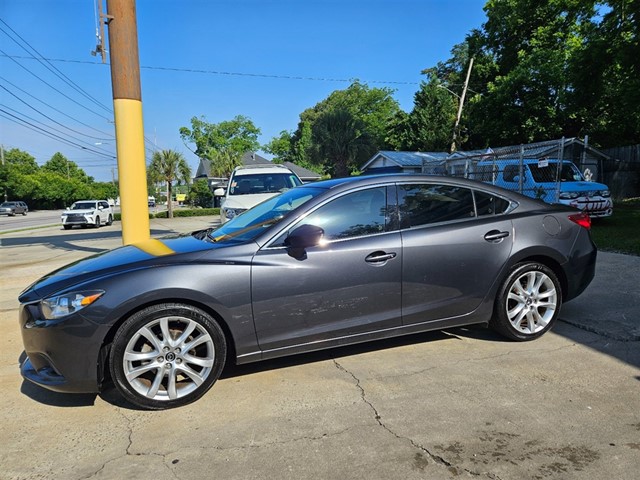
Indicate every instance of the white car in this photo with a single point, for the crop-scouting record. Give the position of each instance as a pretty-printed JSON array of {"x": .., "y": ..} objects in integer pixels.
[
  {"x": 249, "y": 186},
  {"x": 87, "y": 212}
]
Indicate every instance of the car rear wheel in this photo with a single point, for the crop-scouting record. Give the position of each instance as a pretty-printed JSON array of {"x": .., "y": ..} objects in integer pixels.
[
  {"x": 67, "y": 227},
  {"x": 109, "y": 220},
  {"x": 167, "y": 356},
  {"x": 528, "y": 303}
]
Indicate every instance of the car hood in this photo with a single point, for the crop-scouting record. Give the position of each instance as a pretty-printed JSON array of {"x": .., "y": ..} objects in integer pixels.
[
  {"x": 81, "y": 211},
  {"x": 247, "y": 201},
  {"x": 582, "y": 186},
  {"x": 148, "y": 254}
]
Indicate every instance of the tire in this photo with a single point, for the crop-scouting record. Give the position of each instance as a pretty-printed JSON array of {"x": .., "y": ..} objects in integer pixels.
[
  {"x": 109, "y": 220},
  {"x": 97, "y": 224},
  {"x": 528, "y": 303},
  {"x": 156, "y": 372},
  {"x": 67, "y": 227},
  {"x": 24, "y": 214}
]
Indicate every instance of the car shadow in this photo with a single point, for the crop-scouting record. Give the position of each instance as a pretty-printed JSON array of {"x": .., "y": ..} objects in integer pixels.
[
  {"x": 67, "y": 240},
  {"x": 110, "y": 395}
]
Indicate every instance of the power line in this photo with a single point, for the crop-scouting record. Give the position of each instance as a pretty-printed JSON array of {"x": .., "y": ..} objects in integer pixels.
[
  {"x": 43, "y": 131},
  {"x": 49, "y": 118},
  {"x": 52, "y": 68},
  {"x": 109, "y": 136},
  {"x": 52, "y": 87},
  {"x": 236, "y": 74}
]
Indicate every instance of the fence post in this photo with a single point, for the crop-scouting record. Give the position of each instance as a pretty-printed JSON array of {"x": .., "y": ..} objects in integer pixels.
[
  {"x": 521, "y": 169},
  {"x": 559, "y": 170}
]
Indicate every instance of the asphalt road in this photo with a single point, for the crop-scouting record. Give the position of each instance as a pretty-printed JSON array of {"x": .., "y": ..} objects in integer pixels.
[{"x": 462, "y": 403}]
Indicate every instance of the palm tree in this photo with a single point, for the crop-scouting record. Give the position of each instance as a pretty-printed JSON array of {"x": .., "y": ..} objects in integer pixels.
[
  {"x": 169, "y": 166},
  {"x": 340, "y": 140}
]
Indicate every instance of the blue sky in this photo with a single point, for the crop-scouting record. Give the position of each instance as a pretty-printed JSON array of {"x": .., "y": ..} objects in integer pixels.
[{"x": 247, "y": 48}]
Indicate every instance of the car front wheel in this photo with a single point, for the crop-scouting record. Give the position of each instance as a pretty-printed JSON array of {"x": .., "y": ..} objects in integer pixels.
[
  {"x": 167, "y": 356},
  {"x": 528, "y": 303},
  {"x": 97, "y": 223}
]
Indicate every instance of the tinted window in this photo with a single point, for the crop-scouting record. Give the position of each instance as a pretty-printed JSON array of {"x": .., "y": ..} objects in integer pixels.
[
  {"x": 425, "y": 204},
  {"x": 511, "y": 172},
  {"x": 352, "y": 215},
  {"x": 487, "y": 204}
]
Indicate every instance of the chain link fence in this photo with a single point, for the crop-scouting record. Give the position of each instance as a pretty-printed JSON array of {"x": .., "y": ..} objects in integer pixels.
[{"x": 557, "y": 171}]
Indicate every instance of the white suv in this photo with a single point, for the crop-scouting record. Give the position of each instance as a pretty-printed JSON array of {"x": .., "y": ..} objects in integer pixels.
[
  {"x": 249, "y": 186},
  {"x": 87, "y": 212}
]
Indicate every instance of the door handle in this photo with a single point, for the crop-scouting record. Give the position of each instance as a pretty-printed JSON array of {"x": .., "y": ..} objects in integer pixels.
[
  {"x": 379, "y": 257},
  {"x": 495, "y": 236}
]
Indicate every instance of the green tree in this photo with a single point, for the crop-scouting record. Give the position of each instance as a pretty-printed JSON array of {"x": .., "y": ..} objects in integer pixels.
[
  {"x": 342, "y": 141},
  {"x": 429, "y": 126},
  {"x": 280, "y": 147},
  {"x": 169, "y": 166},
  {"x": 200, "y": 194},
  {"x": 64, "y": 167},
  {"x": 221, "y": 142},
  {"x": 13, "y": 172},
  {"x": 371, "y": 108}
]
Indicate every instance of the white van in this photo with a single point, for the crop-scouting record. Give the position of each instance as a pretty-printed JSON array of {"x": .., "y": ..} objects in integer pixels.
[{"x": 249, "y": 186}]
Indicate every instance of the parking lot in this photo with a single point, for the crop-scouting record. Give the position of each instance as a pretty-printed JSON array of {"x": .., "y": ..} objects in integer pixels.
[{"x": 461, "y": 403}]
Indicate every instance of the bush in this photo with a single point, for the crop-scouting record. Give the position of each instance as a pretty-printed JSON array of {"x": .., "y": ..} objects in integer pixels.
[{"x": 196, "y": 212}]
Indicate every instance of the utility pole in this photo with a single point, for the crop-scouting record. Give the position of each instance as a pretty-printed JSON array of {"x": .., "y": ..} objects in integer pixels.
[
  {"x": 127, "y": 107},
  {"x": 464, "y": 93}
]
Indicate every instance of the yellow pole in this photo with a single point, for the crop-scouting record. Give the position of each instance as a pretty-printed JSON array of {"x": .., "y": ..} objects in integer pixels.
[{"x": 127, "y": 107}]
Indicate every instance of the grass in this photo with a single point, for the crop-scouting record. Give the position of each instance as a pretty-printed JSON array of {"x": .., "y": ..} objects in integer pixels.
[{"x": 621, "y": 232}]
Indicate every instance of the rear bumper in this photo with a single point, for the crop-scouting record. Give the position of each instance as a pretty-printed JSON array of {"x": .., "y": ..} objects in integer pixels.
[{"x": 581, "y": 268}]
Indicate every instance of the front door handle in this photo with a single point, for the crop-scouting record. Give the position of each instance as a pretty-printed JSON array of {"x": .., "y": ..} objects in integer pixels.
[
  {"x": 379, "y": 257},
  {"x": 495, "y": 236}
]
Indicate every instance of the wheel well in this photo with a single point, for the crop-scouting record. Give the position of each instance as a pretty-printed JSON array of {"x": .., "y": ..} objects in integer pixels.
[
  {"x": 553, "y": 265},
  {"x": 103, "y": 358}
]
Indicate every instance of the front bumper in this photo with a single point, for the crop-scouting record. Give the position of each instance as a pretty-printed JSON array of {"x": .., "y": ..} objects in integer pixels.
[
  {"x": 595, "y": 207},
  {"x": 77, "y": 220},
  {"x": 61, "y": 355}
]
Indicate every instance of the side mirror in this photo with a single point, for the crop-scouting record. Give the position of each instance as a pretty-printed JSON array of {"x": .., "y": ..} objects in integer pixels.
[
  {"x": 219, "y": 192},
  {"x": 301, "y": 238}
]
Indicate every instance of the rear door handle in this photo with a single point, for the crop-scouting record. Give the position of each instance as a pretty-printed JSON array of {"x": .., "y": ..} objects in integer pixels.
[
  {"x": 495, "y": 236},
  {"x": 379, "y": 257}
]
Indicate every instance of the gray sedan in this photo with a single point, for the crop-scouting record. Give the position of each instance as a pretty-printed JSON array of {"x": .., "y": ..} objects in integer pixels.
[{"x": 324, "y": 264}]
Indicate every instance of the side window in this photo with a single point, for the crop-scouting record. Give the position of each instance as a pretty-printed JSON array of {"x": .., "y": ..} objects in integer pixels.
[
  {"x": 352, "y": 215},
  {"x": 487, "y": 204},
  {"x": 426, "y": 204},
  {"x": 510, "y": 173},
  {"x": 359, "y": 213}
]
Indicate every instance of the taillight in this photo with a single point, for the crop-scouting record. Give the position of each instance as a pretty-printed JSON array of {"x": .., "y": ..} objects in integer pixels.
[{"x": 582, "y": 219}]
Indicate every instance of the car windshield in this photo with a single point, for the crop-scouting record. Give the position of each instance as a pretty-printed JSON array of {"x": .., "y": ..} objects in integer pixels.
[
  {"x": 8, "y": 204},
  {"x": 569, "y": 173},
  {"x": 253, "y": 222},
  {"x": 262, "y": 183},
  {"x": 83, "y": 206}
]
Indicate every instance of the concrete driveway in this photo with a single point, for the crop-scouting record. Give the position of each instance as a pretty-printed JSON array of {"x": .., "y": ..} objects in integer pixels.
[{"x": 461, "y": 403}]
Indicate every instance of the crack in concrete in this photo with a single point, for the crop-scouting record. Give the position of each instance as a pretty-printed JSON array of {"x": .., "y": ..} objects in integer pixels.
[{"x": 437, "y": 459}]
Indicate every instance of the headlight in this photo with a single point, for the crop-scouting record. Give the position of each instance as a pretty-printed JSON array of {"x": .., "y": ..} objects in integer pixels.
[
  {"x": 63, "y": 305},
  {"x": 605, "y": 193},
  {"x": 569, "y": 195}
]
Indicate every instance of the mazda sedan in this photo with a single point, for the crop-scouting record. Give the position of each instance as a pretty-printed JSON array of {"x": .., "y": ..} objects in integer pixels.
[{"x": 324, "y": 264}]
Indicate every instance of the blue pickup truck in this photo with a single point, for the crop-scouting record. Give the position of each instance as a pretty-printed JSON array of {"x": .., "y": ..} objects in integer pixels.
[{"x": 549, "y": 181}]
